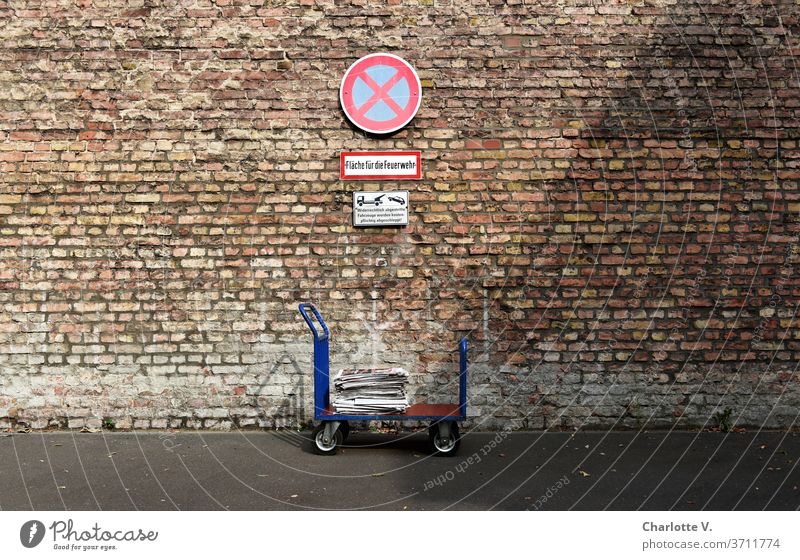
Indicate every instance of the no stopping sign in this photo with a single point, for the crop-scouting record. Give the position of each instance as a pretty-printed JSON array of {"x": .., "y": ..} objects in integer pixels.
[{"x": 380, "y": 93}]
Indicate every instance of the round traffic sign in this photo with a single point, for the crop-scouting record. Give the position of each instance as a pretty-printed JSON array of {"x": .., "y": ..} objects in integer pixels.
[{"x": 380, "y": 93}]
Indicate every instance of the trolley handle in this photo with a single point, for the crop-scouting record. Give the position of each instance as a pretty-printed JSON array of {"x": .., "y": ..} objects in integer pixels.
[{"x": 318, "y": 336}]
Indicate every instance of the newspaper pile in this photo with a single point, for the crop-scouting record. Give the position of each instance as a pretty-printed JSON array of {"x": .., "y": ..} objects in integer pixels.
[{"x": 370, "y": 391}]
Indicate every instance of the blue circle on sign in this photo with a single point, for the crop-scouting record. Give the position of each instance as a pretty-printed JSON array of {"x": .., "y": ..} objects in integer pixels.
[{"x": 399, "y": 93}]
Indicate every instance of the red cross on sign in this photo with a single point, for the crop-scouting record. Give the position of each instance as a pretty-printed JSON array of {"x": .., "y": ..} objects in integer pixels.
[{"x": 380, "y": 93}]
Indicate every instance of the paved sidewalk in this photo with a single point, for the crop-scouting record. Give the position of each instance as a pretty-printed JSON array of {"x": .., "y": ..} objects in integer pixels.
[{"x": 276, "y": 470}]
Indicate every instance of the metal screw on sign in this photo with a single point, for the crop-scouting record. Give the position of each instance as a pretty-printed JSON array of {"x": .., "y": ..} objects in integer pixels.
[{"x": 380, "y": 93}]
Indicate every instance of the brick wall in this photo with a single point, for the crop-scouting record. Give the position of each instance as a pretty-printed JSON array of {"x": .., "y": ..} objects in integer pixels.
[{"x": 609, "y": 210}]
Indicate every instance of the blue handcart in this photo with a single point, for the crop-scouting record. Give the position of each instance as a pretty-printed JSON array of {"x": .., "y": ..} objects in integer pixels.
[{"x": 333, "y": 428}]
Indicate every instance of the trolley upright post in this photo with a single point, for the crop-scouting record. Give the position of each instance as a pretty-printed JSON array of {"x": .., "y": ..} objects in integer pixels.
[
  {"x": 462, "y": 378},
  {"x": 321, "y": 359}
]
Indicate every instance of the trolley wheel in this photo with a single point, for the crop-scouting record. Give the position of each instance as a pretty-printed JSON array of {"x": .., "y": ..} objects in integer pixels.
[
  {"x": 323, "y": 448},
  {"x": 444, "y": 446}
]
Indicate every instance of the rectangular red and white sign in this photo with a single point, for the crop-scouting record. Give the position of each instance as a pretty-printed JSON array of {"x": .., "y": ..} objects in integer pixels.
[{"x": 380, "y": 165}]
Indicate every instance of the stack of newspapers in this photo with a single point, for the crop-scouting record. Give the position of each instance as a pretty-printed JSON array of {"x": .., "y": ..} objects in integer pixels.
[{"x": 370, "y": 391}]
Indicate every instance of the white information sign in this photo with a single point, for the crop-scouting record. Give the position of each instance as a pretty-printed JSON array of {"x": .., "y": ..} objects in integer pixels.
[
  {"x": 380, "y": 209},
  {"x": 380, "y": 165}
]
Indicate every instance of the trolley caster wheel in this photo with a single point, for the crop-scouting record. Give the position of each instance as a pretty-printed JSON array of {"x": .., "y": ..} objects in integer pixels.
[
  {"x": 444, "y": 443},
  {"x": 323, "y": 448}
]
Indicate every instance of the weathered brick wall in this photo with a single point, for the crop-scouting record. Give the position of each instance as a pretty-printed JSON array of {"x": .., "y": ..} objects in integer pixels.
[{"x": 609, "y": 209}]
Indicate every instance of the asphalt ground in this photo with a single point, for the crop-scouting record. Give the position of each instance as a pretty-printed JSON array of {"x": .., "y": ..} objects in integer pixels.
[{"x": 254, "y": 470}]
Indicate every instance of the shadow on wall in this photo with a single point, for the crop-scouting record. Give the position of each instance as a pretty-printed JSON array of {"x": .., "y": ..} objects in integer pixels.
[{"x": 667, "y": 296}]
